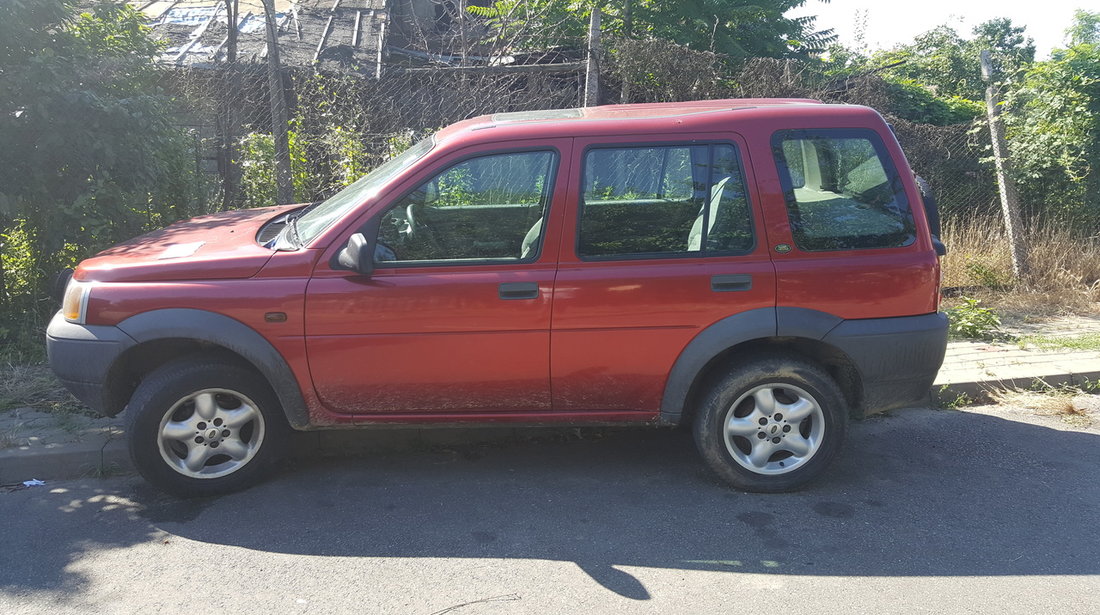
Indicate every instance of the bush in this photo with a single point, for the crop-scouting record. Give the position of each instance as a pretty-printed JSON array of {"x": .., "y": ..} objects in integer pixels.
[{"x": 971, "y": 320}]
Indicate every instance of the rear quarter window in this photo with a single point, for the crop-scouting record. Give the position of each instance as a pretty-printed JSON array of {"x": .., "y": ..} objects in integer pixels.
[{"x": 842, "y": 190}]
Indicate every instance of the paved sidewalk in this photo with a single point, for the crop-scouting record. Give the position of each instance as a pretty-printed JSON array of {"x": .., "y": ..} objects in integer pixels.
[
  {"x": 974, "y": 368},
  {"x": 54, "y": 446}
]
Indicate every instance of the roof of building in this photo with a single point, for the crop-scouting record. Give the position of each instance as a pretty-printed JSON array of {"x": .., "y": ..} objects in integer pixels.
[{"x": 348, "y": 34}]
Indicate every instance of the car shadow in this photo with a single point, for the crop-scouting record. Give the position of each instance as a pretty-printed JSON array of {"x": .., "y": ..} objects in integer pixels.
[{"x": 922, "y": 493}]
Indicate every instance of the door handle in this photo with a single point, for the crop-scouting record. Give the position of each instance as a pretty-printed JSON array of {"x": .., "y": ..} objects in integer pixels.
[
  {"x": 519, "y": 290},
  {"x": 731, "y": 283}
]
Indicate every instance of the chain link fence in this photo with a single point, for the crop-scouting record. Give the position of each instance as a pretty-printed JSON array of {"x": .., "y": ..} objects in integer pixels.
[{"x": 345, "y": 124}]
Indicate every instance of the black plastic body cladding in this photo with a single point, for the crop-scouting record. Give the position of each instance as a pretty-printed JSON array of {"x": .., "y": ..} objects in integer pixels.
[
  {"x": 897, "y": 357},
  {"x": 709, "y": 343},
  {"x": 82, "y": 355},
  {"x": 230, "y": 334}
]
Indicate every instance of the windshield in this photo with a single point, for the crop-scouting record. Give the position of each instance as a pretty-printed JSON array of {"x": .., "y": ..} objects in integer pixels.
[{"x": 315, "y": 220}]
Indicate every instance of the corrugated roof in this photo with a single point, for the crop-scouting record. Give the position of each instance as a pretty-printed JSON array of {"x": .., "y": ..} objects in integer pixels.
[{"x": 347, "y": 34}]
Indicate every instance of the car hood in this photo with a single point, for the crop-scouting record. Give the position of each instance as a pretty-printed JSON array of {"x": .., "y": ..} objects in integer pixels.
[{"x": 218, "y": 246}]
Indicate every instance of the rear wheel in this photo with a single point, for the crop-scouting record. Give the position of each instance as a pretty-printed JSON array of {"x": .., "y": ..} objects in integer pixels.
[
  {"x": 201, "y": 428},
  {"x": 771, "y": 425}
]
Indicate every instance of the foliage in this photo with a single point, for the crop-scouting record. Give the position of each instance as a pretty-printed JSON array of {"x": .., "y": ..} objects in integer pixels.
[
  {"x": 969, "y": 319},
  {"x": 738, "y": 29},
  {"x": 89, "y": 154},
  {"x": 1054, "y": 129},
  {"x": 988, "y": 275},
  {"x": 915, "y": 102},
  {"x": 1085, "y": 29},
  {"x": 949, "y": 63},
  {"x": 661, "y": 70}
]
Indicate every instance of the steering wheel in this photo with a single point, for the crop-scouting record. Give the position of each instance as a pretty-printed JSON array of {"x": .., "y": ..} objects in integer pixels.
[
  {"x": 419, "y": 232},
  {"x": 415, "y": 221}
]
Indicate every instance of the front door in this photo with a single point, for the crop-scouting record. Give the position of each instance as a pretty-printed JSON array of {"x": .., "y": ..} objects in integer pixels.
[{"x": 455, "y": 318}]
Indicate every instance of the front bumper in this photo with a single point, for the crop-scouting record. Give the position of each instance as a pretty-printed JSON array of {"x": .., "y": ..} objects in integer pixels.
[
  {"x": 897, "y": 358},
  {"x": 82, "y": 356}
]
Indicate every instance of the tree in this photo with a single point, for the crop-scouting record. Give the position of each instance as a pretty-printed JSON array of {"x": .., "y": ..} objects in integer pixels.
[
  {"x": 738, "y": 29},
  {"x": 90, "y": 155},
  {"x": 947, "y": 62},
  {"x": 1085, "y": 29},
  {"x": 1054, "y": 127}
]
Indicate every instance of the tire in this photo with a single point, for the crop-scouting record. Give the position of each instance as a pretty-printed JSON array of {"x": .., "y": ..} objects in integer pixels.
[
  {"x": 199, "y": 428},
  {"x": 804, "y": 423}
]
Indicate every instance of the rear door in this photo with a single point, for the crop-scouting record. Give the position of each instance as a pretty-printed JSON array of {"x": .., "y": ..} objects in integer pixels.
[
  {"x": 841, "y": 218},
  {"x": 662, "y": 238},
  {"x": 456, "y": 317}
]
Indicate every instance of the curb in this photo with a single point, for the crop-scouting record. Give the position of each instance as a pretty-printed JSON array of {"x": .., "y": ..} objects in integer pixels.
[
  {"x": 92, "y": 458},
  {"x": 980, "y": 390}
]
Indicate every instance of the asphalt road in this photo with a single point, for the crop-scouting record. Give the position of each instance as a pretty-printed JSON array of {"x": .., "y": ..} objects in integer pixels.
[{"x": 986, "y": 510}]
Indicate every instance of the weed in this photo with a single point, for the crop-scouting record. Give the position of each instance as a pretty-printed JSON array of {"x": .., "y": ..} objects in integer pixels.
[
  {"x": 101, "y": 470},
  {"x": 10, "y": 436},
  {"x": 945, "y": 401},
  {"x": 988, "y": 276},
  {"x": 969, "y": 319}
]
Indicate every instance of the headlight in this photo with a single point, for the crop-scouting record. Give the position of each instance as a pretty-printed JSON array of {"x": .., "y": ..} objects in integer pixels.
[{"x": 74, "y": 306}]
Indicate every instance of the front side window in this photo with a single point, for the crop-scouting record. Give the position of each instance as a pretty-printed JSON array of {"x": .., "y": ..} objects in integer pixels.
[
  {"x": 315, "y": 220},
  {"x": 489, "y": 208},
  {"x": 664, "y": 200},
  {"x": 842, "y": 190}
]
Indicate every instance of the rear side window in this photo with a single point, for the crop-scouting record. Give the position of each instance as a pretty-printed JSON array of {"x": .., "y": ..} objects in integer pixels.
[
  {"x": 664, "y": 201},
  {"x": 842, "y": 190}
]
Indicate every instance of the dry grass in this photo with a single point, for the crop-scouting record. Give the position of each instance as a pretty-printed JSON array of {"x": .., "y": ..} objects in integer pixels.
[
  {"x": 1072, "y": 405},
  {"x": 1065, "y": 269},
  {"x": 33, "y": 386}
]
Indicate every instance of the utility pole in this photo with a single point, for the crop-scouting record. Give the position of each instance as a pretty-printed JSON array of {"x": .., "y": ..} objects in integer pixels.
[
  {"x": 592, "y": 76},
  {"x": 1010, "y": 198},
  {"x": 231, "y": 180},
  {"x": 279, "y": 120}
]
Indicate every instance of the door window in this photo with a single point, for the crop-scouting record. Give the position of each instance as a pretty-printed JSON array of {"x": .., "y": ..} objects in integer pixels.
[
  {"x": 663, "y": 201},
  {"x": 842, "y": 190},
  {"x": 490, "y": 208}
]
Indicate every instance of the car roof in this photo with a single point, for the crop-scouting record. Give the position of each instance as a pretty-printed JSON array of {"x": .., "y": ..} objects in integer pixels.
[{"x": 650, "y": 118}]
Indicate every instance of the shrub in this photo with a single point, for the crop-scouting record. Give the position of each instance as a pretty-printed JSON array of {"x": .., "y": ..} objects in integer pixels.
[{"x": 969, "y": 319}]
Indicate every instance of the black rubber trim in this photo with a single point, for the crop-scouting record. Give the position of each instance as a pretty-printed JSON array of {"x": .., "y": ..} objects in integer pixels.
[
  {"x": 709, "y": 343},
  {"x": 81, "y": 356},
  {"x": 897, "y": 358},
  {"x": 180, "y": 323},
  {"x": 804, "y": 322}
]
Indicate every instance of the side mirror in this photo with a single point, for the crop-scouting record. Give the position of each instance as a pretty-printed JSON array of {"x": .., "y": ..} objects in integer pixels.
[{"x": 357, "y": 255}]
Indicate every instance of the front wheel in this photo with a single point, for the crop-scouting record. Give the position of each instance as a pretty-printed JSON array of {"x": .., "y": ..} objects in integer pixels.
[
  {"x": 771, "y": 425},
  {"x": 201, "y": 428}
]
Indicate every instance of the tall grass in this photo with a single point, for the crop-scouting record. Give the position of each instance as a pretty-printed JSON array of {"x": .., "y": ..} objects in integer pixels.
[{"x": 1064, "y": 267}]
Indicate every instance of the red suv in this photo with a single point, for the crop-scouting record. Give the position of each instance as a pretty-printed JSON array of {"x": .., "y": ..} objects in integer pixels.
[{"x": 758, "y": 269}]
